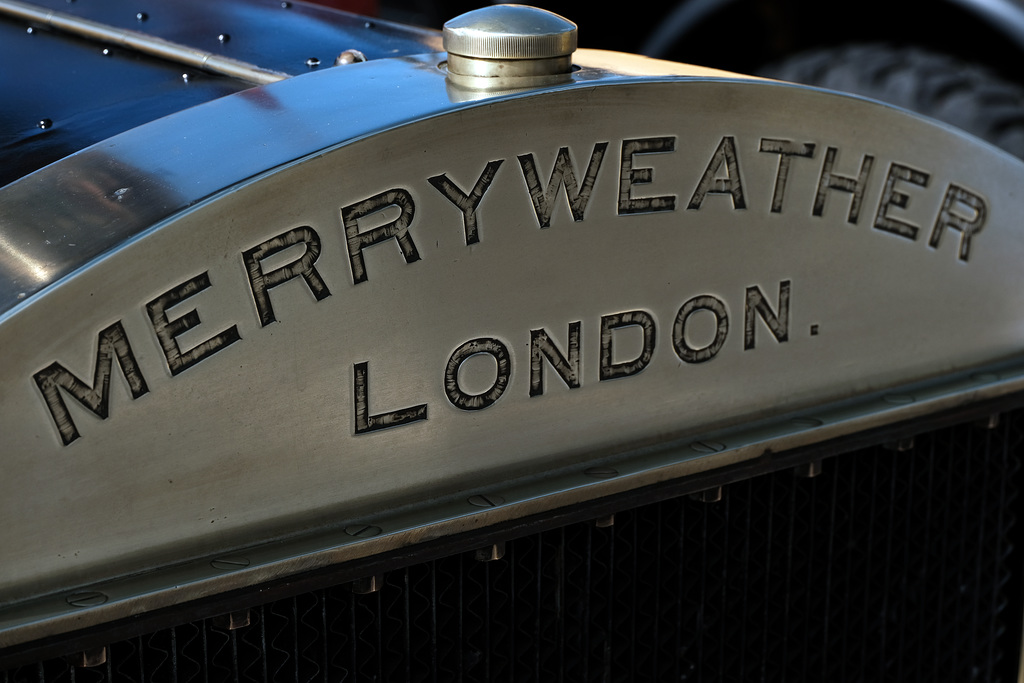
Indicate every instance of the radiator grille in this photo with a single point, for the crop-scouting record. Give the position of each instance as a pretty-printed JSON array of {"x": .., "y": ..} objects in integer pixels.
[{"x": 887, "y": 566}]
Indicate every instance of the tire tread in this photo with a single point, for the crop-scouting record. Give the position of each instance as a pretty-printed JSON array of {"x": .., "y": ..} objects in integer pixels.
[{"x": 968, "y": 96}]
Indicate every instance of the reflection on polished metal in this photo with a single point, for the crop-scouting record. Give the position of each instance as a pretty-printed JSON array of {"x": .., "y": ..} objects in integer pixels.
[
  {"x": 990, "y": 422},
  {"x": 408, "y": 299},
  {"x": 232, "y": 621},
  {"x": 349, "y": 57},
  {"x": 42, "y": 241},
  {"x": 493, "y": 552},
  {"x": 86, "y": 659},
  {"x": 368, "y": 585},
  {"x": 141, "y": 42},
  {"x": 808, "y": 470},
  {"x": 708, "y": 496},
  {"x": 504, "y": 47},
  {"x": 901, "y": 445}
]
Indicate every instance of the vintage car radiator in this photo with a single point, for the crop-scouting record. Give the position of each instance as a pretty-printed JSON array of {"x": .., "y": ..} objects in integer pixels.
[
  {"x": 888, "y": 565},
  {"x": 499, "y": 365}
]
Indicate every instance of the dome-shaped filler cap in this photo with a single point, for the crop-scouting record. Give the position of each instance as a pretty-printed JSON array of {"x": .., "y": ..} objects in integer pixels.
[
  {"x": 510, "y": 32},
  {"x": 509, "y": 46}
]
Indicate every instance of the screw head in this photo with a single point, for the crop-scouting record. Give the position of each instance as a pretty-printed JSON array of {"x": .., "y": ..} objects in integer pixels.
[
  {"x": 363, "y": 530},
  {"x": 349, "y": 57},
  {"x": 707, "y": 446},
  {"x": 601, "y": 472},
  {"x": 230, "y": 564},
  {"x": 485, "y": 500},
  {"x": 86, "y": 599}
]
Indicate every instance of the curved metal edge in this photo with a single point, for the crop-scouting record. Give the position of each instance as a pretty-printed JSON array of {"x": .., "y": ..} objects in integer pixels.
[
  {"x": 399, "y": 528},
  {"x": 62, "y": 217},
  {"x": 1003, "y": 16},
  {"x": 59, "y": 219}
]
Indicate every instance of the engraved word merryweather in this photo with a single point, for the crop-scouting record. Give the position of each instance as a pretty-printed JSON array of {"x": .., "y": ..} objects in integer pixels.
[{"x": 393, "y": 212}]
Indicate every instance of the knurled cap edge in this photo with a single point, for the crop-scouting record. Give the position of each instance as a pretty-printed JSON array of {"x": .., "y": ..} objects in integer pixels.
[{"x": 510, "y": 32}]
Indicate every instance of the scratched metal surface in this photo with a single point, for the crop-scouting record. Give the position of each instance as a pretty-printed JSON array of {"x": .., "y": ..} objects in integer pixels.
[{"x": 321, "y": 379}]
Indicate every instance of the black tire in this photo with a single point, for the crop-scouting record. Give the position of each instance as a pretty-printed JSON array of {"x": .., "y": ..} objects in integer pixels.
[{"x": 964, "y": 95}]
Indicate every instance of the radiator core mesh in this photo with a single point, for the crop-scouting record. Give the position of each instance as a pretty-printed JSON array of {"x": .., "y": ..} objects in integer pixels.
[{"x": 887, "y": 566}]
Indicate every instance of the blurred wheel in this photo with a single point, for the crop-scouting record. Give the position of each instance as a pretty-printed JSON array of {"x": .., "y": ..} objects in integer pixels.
[{"x": 964, "y": 95}]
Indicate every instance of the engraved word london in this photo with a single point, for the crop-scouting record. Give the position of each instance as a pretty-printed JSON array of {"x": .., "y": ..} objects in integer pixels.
[{"x": 954, "y": 208}]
